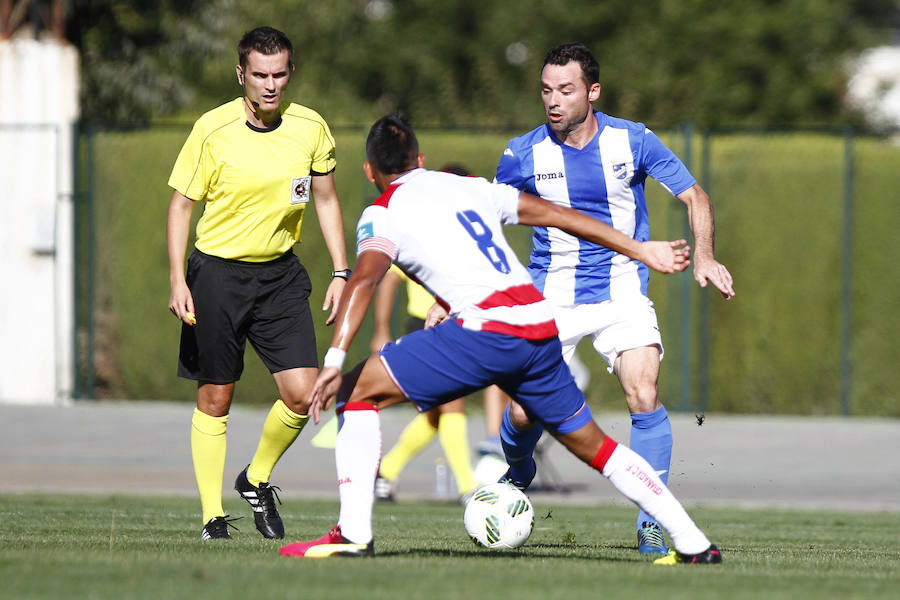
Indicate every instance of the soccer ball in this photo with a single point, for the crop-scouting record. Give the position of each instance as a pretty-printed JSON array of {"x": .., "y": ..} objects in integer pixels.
[{"x": 499, "y": 515}]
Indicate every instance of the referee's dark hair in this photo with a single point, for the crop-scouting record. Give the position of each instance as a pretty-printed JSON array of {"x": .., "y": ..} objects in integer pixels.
[
  {"x": 391, "y": 146},
  {"x": 575, "y": 52},
  {"x": 265, "y": 40}
]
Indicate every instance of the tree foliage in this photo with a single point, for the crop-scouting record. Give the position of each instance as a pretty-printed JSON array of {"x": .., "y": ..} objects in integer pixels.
[
  {"x": 141, "y": 58},
  {"x": 477, "y": 62}
]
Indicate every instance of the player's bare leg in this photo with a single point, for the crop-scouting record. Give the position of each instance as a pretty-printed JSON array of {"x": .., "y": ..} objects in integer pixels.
[
  {"x": 215, "y": 399},
  {"x": 294, "y": 386},
  {"x": 635, "y": 478},
  {"x": 638, "y": 373},
  {"x": 495, "y": 401},
  {"x": 286, "y": 419},
  {"x": 519, "y": 436}
]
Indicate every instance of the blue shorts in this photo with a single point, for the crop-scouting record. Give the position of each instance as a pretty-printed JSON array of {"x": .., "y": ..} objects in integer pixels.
[{"x": 437, "y": 365}]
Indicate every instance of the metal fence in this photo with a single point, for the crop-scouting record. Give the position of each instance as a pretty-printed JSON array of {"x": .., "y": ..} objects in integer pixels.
[
  {"x": 810, "y": 330},
  {"x": 695, "y": 325}
]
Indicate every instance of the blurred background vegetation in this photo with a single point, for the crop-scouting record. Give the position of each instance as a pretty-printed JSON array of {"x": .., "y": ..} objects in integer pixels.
[
  {"x": 762, "y": 83},
  {"x": 476, "y": 62},
  {"x": 775, "y": 348}
]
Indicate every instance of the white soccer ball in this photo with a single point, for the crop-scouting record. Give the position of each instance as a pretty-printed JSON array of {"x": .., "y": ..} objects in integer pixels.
[{"x": 499, "y": 515}]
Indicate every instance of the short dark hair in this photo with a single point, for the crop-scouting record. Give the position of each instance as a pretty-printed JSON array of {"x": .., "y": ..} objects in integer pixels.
[
  {"x": 576, "y": 51},
  {"x": 265, "y": 40},
  {"x": 456, "y": 169},
  {"x": 391, "y": 146}
]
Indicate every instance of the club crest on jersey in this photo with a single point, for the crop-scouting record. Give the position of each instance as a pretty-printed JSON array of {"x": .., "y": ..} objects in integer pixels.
[
  {"x": 621, "y": 170},
  {"x": 300, "y": 190},
  {"x": 548, "y": 176}
]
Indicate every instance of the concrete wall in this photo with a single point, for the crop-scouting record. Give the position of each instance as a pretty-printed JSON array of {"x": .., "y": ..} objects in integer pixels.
[{"x": 38, "y": 108}]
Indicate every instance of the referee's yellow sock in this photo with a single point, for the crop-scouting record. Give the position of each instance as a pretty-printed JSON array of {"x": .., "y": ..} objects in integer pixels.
[
  {"x": 281, "y": 428},
  {"x": 208, "y": 451},
  {"x": 452, "y": 428},
  {"x": 415, "y": 436}
]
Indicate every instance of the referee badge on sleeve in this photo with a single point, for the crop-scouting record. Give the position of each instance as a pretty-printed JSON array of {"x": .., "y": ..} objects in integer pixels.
[{"x": 300, "y": 190}]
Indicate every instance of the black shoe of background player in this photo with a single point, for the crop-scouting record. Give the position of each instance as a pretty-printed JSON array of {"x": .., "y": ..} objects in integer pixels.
[{"x": 217, "y": 528}]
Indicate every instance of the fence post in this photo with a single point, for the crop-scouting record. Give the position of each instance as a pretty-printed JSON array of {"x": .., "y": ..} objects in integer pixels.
[
  {"x": 671, "y": 382},
  {"x": 846, "y": 273},
  {"x": 77, "y": 198},
  {"x": 86, "y": 267},
  {"x": 686, "y": 289}
]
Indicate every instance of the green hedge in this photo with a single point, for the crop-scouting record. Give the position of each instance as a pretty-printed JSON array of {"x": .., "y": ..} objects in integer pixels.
[{"x": 774, "y": 348}]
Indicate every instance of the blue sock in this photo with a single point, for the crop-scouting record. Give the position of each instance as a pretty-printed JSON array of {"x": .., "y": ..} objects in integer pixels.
[
  {"x": 651, "y": 437},
  {"x": 518, "y": 446}
]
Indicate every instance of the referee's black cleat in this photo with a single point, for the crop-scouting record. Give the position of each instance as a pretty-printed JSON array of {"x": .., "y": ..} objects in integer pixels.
[
  {"x": 262, "y": 501},
  {"x": 217, "y": 528},
  {"x": 710, "y": 556}
]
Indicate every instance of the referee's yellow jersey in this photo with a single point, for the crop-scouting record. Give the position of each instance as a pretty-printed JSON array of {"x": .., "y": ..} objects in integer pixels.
[
  {"x": 418, "y": 299},
  {"x": 255, "y": 183}
]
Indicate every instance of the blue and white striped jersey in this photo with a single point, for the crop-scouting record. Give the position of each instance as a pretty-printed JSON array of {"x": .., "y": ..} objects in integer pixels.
[{"x": 605, "y": 180}]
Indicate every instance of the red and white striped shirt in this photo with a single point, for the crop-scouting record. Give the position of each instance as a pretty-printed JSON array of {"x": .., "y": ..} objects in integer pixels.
[{"x": 445, "y": 231}]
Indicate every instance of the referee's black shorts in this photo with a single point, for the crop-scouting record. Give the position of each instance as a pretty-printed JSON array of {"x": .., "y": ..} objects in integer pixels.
[{"x": 267, "y": 303}]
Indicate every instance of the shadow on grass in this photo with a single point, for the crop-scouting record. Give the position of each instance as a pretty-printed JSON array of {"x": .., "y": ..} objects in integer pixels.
[{"x": 561, "y": 551}]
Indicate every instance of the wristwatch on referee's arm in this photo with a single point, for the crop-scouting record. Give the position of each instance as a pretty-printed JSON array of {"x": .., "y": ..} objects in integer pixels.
[{"x": 342, "y": 273}]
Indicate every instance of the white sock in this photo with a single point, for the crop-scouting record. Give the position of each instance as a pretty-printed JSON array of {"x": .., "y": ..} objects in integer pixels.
[
  {"x": 635, "y": 478},
  {"x": 357, "y": 451}
]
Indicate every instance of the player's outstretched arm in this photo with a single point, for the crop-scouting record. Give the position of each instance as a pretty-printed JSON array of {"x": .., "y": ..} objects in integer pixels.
[
  {"x": 706, "y": 267},
  {"x": 354, "y": 304},
  {"x": 384, "y": 306},
  {"x": 665, "y": 257}
]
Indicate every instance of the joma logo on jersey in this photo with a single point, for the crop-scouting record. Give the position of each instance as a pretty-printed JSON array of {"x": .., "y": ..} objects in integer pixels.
[{"x": 546, "y": 176}]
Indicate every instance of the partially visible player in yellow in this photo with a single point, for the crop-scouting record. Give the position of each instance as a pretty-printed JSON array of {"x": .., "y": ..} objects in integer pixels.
[
  {"x": 447, "y": 421},
  {"x": 254, "y": 163}
]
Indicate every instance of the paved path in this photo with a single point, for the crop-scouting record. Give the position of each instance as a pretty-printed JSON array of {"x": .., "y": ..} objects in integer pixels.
[{"x": 143, "y": 448}]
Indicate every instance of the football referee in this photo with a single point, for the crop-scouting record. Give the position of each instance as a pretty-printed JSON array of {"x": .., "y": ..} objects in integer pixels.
[{"x": 255, "y": 163}]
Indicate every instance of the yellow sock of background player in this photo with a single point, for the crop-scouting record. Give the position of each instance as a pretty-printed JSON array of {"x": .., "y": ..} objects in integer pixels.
[
  {"x": 415, "y": 436},
  {"x": 208, "y": 452},
  {"x": 281, "y": 428},
  {"x": 455, "y": 442}
]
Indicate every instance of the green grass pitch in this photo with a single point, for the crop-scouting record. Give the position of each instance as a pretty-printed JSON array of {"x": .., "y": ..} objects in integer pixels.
[{"x": 149, "y": 547}]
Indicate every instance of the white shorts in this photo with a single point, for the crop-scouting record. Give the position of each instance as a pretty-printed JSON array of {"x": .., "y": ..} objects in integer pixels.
[{"x": 614, "y": 326}]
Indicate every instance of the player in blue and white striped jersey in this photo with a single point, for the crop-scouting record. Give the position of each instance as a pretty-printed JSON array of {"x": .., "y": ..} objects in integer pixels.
[{"x": 597, "y": 164}]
